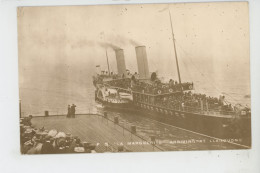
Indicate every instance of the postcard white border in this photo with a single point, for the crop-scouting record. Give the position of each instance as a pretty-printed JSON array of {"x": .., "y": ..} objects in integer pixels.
[{"x": 187, "y": 161}]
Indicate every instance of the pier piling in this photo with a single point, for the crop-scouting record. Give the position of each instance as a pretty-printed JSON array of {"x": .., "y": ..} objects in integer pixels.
[
  {"x": 133, "y": 129},
  {"x": 46, "y": 113},
  {"x": 116, "y": 120},
  {"x": 105, "y": 115},
  {"x": 153, "y": 141}
]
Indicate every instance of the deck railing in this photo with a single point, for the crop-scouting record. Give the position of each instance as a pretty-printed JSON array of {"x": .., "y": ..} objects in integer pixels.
[{"x": 178, "y": 107}]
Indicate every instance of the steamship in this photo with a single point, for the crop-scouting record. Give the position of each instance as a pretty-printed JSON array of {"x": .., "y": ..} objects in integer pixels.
[{"x": 146, "y": 95}]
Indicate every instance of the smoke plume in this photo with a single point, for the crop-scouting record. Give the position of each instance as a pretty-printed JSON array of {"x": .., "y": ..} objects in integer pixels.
[
  {"x": 126, "y": 41},
  {"x": 123, "y": 41},
  {"x": 134, "y": 43},
  {"x": 108, "y": 45}
]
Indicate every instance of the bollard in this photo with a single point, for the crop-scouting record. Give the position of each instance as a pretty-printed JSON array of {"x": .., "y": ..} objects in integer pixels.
[
  {"x": 153, "y": 139},
  {"x": 105, "y": 115},
  {"x": 46, "y": 113},
  {"x": 120, "y": 148},
  {"x": 123, "y": 128},
  {"x": 116, "y": 120},
  {"x": 133, "y": 129},
  {"x": 201, "y": 105}
]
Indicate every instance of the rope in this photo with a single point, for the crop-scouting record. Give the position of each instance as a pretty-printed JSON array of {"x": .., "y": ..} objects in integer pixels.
[{"x": 210, "y": 82}]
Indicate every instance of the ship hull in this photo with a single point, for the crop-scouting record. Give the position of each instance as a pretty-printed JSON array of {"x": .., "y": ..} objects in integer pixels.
[
  {"x": 219, "y": 126},
  {"x": 227, "y": 128}
]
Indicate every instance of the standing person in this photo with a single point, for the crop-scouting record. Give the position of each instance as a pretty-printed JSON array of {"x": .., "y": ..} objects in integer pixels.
[
  {"x": 73, "y": 110},
  {"x": 27, "y": 121},
  {"x": 69, "y": 112}
]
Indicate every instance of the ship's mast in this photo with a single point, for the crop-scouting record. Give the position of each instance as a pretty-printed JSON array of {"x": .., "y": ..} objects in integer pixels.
[
  {"x": 173, "y": 40},
  {"x": 107, "y": 64}
]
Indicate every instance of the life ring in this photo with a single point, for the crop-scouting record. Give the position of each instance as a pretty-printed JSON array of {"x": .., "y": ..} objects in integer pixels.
[
  {"x": 159, "y": 91},
  {"x": 190, "y": 87},
  {"x": 170, "y": 90}
]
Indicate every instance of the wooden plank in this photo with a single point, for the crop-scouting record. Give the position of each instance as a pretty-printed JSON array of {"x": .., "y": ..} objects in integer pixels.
[{"x": 94, "y": 129}]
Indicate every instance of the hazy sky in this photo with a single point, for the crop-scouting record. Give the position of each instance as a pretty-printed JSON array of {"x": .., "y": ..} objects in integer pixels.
[
  {"x": 66, "y": 42},
  {"x": 211, "y": 34}
]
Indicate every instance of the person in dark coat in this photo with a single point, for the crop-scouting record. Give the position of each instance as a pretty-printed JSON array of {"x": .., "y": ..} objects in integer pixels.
[
  {"x": 73, "y": 110},
  {"x": 27, "y": 121},
  {"x": 47, "y": 147},
  {"x": 69, "y": 112}
]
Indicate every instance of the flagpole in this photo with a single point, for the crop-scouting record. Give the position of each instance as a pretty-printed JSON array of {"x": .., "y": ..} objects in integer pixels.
[
  {"x": 107, "y": 63},
  {"x": 173, "y": 40},
  {"x": 98, "y": 69}
]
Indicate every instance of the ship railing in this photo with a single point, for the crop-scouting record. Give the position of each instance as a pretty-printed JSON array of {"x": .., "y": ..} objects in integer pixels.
[
  {"x": 142, "y": 91},
  {"x": 107, "y": 84},
  {"x": 206, "y": 112},
  {"x": 222, "y": 112},
  {"x": 166, "y": 107},
  {"x": 179, "y": 107},
  {"x": 121, "y": 79},
  {"x": 127, "y": 90},
  {"x": 156, "y": 91}
]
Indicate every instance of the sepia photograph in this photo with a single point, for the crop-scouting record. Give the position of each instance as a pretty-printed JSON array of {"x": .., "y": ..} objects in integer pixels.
[{"x": 134, "y": 78}]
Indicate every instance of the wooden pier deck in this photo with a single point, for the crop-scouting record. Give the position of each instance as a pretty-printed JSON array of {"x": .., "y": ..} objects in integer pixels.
[{"x": 97, "y": 130}]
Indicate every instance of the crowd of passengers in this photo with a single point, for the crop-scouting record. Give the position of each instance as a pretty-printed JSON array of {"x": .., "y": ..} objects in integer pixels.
[
  {"x": 152, "y": 87},
  {"x": 186, "y": 100},
  {"x": 106, "y": 74},
  {"x": 121, "y": 83},
  {"x": 192, "y": 101},
  {"x": 155, "y": 87},
  {"x": 42, "y": 141}
]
